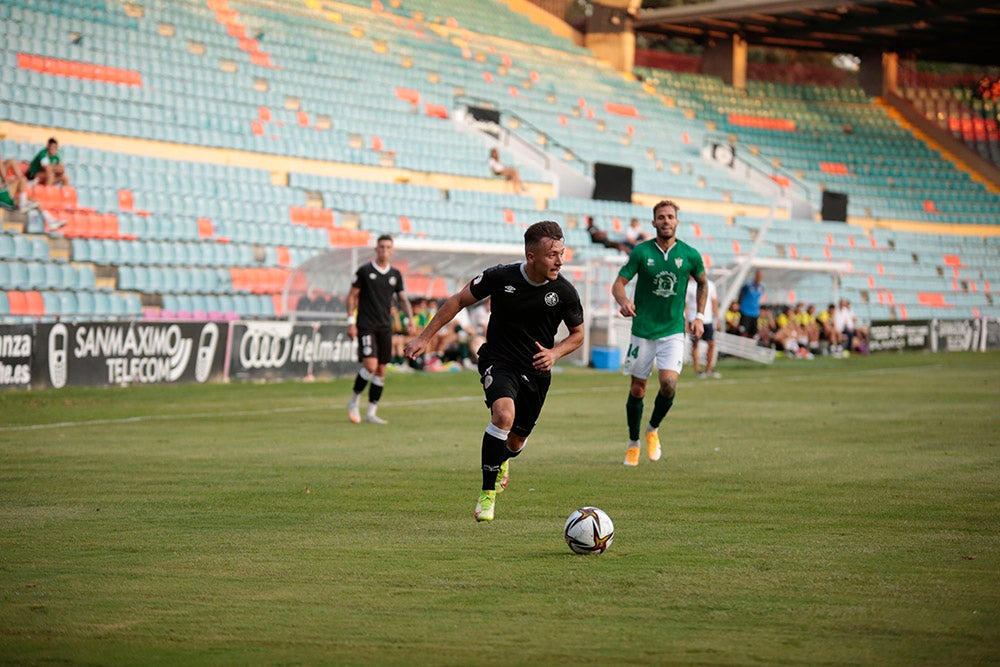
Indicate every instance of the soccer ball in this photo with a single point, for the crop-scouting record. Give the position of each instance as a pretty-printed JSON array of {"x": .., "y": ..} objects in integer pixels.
[{"x": 589, "y": 531}]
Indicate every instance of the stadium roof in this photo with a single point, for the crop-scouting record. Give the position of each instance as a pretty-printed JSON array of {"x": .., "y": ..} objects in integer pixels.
[{"x": 954, "y": 31}]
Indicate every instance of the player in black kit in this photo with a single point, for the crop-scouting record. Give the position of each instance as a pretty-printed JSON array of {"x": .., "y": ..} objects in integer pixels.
[
  {"x": 528, "y": 301},
  {"x": 373, "y": 289}
]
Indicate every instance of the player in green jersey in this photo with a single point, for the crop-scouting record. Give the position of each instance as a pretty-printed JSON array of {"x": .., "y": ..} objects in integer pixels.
[{"x": 662, "y": 267}]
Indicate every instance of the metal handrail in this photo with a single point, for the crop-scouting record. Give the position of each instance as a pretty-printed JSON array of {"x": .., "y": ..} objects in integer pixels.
[
  {"x": 470, "y": 100},
  {"x": 759, "y": 163}
]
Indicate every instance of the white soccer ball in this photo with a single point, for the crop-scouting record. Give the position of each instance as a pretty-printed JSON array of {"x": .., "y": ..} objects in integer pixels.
[{"x": 589, "y": 531}]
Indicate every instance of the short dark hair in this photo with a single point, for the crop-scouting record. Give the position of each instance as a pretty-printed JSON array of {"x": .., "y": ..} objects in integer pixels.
[
  {"x": 52, "y": 140},
  {"x": 545, "y": 229},
  {"x": 384, "y": 237}
]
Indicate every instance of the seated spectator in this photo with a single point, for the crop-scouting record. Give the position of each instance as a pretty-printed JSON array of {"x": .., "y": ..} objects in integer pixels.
[
  {"x": 509, "y": 173},
  {"x": 479, "y": 320},
  {"x": 766, "y": 327},
  {"x": 805, "y": 318},
  {"x": 635, "y": 234},
  {"x": 598, "y": 235},
  {"x": 400, "y": 337},
  {"x": 46, "y": 168},
  {"x": 304, "y": 304},
  {"x": 846, "y": 322},
  {"x": 456, "y": 347},
  {"x": 860, "y": 340},
  {"x": 733, "y": 319},
  {"x": 327, "y": 303},
  {"x": 423, "y": 312},
  {"x": 786, "y": 333},
  {"x": 13, "y": 190},
  {"x": 14, "y": 194},
  {"x": 831, "y": 340}
]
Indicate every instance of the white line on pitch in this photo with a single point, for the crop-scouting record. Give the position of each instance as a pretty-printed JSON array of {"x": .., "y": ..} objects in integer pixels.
[{"x": 425, "y": 401}]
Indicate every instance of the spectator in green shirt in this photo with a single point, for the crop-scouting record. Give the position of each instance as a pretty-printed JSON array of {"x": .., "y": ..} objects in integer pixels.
[{"x": 47, "y": 166}]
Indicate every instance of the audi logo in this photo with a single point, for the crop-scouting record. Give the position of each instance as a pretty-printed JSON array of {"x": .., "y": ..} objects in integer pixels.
[{"x": 260, "y": 349}]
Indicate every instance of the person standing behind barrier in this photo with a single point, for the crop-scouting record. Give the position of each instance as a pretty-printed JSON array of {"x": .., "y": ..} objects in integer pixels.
[
  {"x": 664, "y": 265},
  {"x": 750, "y": 297},
  {"x": 369, "y": 319},
  {"x": 711, "y": 317}
]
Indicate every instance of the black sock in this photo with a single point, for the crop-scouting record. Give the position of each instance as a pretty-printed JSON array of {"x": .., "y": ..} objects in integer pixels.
[
  {"x": 508, "y": 453},
  {"x": 375, "y": 392},
  {"x": 660, "y": 409},
  {"x": 492, "y": 456},
  {"x": 633, "y": 413},
  {"x": 359, "y": 384}
]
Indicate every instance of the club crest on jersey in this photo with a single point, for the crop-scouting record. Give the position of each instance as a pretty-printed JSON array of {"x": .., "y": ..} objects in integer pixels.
[
  {"x": 665, "y": 284},
  {"x": 679, "y": 261},
  {"x": 392, "y": 280},
  {"x": 551, "y": 299}
]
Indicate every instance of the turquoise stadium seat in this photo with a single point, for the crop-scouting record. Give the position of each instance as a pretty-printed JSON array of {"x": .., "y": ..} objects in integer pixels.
[{"x": 181, "y": 101}]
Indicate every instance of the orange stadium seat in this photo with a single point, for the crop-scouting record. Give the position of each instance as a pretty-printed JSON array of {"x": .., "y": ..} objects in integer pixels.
[
  {"x": 408, "y": 95},
  {"x": 205, "y": 228},
  {"x": 436, "y": 110},
  {"x": 621, "y": 109},
  {"x": 18, "y": 302},
  {"x": 126, "y": 201},
  {"x": 284, "y": 257},
  {"x": 34, "y": 303}
]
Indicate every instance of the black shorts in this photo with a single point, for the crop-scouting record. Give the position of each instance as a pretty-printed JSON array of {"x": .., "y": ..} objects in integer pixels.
[
  {"x": 748, "y": 323},
  {"x": 375, "y": 343},
  {"x": 709, "y": 334},
  {"x": 527, "y": 390}
]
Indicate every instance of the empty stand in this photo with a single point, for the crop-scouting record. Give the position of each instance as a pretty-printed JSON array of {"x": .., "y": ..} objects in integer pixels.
[{"x": 374, "y": 91}]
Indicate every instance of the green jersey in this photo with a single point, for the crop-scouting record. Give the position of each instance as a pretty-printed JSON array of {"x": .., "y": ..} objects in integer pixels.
[
  {"x": 661, "y": 286},
  {"x": 41, "y": 159}
]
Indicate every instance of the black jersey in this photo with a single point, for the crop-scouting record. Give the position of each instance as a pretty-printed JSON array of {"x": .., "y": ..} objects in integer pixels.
[
  {"x": 377, "y": 289},
  {"x": 522, "y": 312}
]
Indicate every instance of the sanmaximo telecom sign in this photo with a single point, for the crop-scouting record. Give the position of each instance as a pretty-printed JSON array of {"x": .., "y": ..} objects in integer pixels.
[{"x": 123, "y": 353}]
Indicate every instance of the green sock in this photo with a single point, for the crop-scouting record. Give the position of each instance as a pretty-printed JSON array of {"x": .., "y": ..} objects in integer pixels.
[
  {"x": 633, "y": 414},
  {"x": 661, "y": 406}
]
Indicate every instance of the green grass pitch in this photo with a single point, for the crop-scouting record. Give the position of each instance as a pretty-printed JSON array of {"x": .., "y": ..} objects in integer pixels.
[{"x": 826, "y": 512}]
